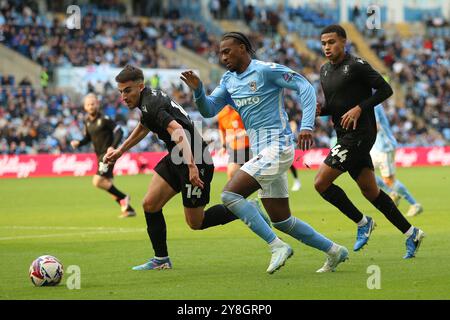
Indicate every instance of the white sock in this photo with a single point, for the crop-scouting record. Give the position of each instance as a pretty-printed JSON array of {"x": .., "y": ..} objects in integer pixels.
[
  {"x": 363, "y": 221},
  {"x": 276, "y": 243},
  {"x": 409, "y": 232},
  {"x": 334, "y": 248}
]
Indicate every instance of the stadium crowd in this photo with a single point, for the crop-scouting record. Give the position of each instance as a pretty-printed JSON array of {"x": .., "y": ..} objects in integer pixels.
[{"x": 42, "y": 120}]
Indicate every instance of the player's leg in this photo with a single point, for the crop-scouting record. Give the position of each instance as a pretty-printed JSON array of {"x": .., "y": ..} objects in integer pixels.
[
  {"x": 104, "y": 180},
  {"x": 259, "y": 172},
  {"x": 297, "y": 184},
  {"x": 195, "y": 200},
  {"x": 324, "y": 185},
  {"x": 338, "y": 161},
  {"x": 106, "y": 183},
  {"x": 386, "y": 163},
  {"x": 276, "y": 202},
  {"x": 158, "y": 194},
  {"x": 367, "y": 184},
  {"x": 232, "y": 168}
]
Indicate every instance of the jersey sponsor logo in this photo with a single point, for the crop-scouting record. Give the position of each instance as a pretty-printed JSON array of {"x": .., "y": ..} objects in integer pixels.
[
  {"x": 252, "y": 85},
  {"x": 287, "y": 76},
  {"x": 246, "y": 101}
]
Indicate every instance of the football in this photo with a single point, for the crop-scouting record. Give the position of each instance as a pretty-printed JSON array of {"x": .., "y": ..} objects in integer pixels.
[{"x": 46, "y": 271}]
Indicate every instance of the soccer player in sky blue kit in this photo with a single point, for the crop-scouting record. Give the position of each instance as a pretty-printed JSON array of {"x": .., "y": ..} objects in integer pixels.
[
  {"x": 383, "y": 155},
  {"x": 255, "y": 90}
]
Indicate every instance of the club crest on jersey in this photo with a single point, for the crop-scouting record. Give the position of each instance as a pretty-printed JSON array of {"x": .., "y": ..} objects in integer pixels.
[
  {"x": 99, "y": 122},
  {"x": 345, "y": 69},
  {"x": 252, "y": 85},
  {"x": 288, "y": 76},
  {"x": 144, "y": 108}
]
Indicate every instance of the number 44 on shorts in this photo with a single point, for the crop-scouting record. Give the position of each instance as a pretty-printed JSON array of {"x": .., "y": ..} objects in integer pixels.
[
  {"x": 342, "y": 154},
  {"x": 193, "y": 191}
]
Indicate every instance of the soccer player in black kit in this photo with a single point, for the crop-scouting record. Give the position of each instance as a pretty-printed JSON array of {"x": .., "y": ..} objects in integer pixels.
[
  {"x": 188, "y": 168},
  {"x": 105, "y": 135},
  {"x": 348, "y": 83}
]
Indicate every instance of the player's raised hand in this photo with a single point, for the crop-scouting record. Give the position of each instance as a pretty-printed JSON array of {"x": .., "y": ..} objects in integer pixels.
[
  {"x": 305, "y": 139},
  {"x": 194, "y": 177},
  {"x": 112, "y": 155},
  {"x": 74, "y": 143},
  {"x": 191, "y": 79},
  {"x": 351, "y": 116}
]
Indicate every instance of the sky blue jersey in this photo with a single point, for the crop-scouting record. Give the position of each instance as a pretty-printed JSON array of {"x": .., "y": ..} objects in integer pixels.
[
  {"x": 257, "y": 95},
  {"x": 385, "y": 141}
]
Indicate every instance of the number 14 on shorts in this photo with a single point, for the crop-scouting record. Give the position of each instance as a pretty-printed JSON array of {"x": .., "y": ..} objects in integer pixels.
[
  {"x": 342, "y": 154},
  {"x": 193, "y": 191}
]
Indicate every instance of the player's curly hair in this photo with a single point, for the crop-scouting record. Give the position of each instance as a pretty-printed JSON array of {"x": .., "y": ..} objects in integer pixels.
[
  {"x": 241, "y": 38},
  {"x": 130, "y": 73}
]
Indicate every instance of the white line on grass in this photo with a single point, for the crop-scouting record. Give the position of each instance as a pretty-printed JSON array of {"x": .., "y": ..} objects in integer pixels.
[
  {"x": 68, "y": 228},
  {"x": 99, "y": 230}
]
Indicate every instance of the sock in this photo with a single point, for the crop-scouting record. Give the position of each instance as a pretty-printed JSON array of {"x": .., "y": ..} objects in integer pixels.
[
  {"x": 381, "y": 184},
  {"x": 216, "y": 215},
  {"x": 334, "y": 249},
  {"x": 276, "y": 243},
  {"x": 385, "y": 204},
  {"x": 249, "y": 214},
  {"x": 294, "y": 172},
  {"x": 304, "y": 232},
  {"x": 119, "y": 195},
  {"x": 337, "y": 197},
  {"x": 363, "y": 222},
  {"x": 410, "y": 232},
  {"x": 401, "y": 190},
  {"x": 156, "y": 229}
]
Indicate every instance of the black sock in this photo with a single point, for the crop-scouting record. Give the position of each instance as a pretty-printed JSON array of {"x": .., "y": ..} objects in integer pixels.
[
  {"x": 156, "y": 229},
  {"x": 119, "y": 195},
  {"x": 218, "y": 214},
  {"x": 337, "y": 197},
  {"x": 294, "y": 171},
  {"x": 385, "y": 204}
]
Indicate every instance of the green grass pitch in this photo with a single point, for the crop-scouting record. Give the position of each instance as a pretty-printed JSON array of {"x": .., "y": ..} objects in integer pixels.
[{"x": 70, "y": 219}]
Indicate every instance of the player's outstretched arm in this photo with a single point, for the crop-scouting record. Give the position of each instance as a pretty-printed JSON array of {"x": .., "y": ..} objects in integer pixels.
[
  {"x": 210, "y": 105},
  {"x": 137, "y": 135}
]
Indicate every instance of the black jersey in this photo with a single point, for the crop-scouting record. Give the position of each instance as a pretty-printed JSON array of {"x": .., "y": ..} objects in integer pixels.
[
  {"x": 103, "y": 132},
  {"x": 348, "y": 84},
  {"x": 158, "y": 110}
]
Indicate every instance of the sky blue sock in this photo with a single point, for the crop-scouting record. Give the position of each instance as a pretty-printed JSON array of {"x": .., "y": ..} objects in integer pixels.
[
  {"x": 383, "y": 185},
  {"x": 249, "y": 214},
  {"x": 401, "y": 190},
  {"x": 304, "y": 232}
]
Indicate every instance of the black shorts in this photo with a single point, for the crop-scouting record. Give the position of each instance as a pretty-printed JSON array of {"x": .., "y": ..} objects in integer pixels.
[
  {"x": 351, "y": 157},
  {"x": 177, "y": 176},
  {"x": 239, "y": 156},
  {"x": 102, "y": 171}
]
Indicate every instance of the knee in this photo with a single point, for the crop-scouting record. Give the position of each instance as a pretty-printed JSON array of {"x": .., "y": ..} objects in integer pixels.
[
  {"x": 96, "y": 182},
  {"x": 320, "y": 184},
  {"x": 194, "y": 225},
  {"x": 369, "y": 193},
  {"x": 389, "y": 181},
  {"x": 228, "y": 198},
  {"x": 150, "y": 205}
]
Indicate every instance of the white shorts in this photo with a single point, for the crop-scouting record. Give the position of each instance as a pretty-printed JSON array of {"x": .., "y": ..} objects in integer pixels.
[
  {"x": 385, "y": 161},
  {"x": 269, "y": 168}
]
